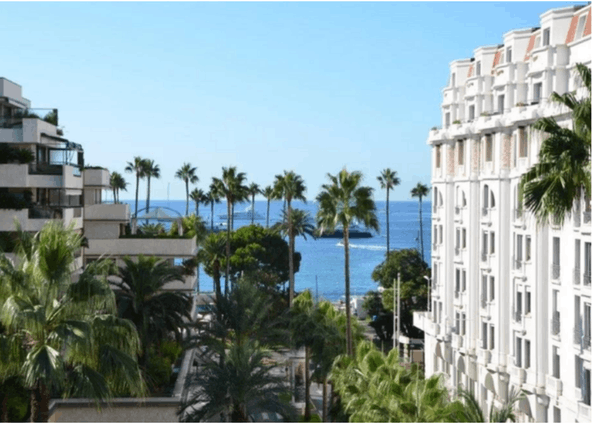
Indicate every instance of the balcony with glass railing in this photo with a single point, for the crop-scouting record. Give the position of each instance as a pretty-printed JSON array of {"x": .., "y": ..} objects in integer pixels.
[{"x": 14, "y": 118}]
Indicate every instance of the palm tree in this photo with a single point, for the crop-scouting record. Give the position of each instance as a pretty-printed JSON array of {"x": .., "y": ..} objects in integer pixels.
[
  {"x": 240, "y": 386},
  {"x": 117, "y": 183},
  {"x": 141, "y": 299},
  {"x": 187, "y": 174},
  {"x": 343, "y": 202},
  {"x": 253, "y": 190},
  {"x": 388, "y": 179},
  {"x": 198, "y": 196},
  {"x": 138, "y": 166},
  {"x": 269, "y": 194},
  {"x": 212, "y": 198},
  {"x": 560, "y": 178},
  {"x": 151, "y": 170},
  {"x": 420, "y": 191},
  {"x": 232, "y": 187},
  {"x": 472, "y": 412},
  {"x": 67, "y": 334},
  {"x": 211, "y": 255},
  {"x": 290, "y": 186}
]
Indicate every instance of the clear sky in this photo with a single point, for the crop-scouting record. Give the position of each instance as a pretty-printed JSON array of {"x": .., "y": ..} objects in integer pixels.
[{"x": 309, "y": 87}]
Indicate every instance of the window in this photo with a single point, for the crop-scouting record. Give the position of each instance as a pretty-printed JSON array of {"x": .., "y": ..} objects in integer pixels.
[
  {"x": 537, "y": 92},
  {"x": 556, "y": 251},
  {"x": 527, "y": 249},
  {"x": 492, "y": 244},
  {"x": 527, "y": 354},
  {"x": 486, "y": 196},
  {"x": 484, "y": 287},
  {"x": 457, "y": 283},
  {"x": 546, "y": 36},
  {"x": 441, "y": 234},
  {"x": 587, "y": 262},
  {"x": 577, "y": 257},
  {"x": 500, "y": 103},
  {"x": 478, "y": 68},
  {"x": 471, "y": 112},
  {"x": 519, "y": 247},
  {"x": 491, "y": 337},
  {"x": 438, "y": 156},
  {"x": 522, "y": 142},
  {"x": 464, "y": 238},
  {"x": 457, "y": 243},
  {"x": 457, "y": 323},
  {"x": 556, "y": 415},
  {"x": 484, "y": 335},
  {"x": 527, "y": 300},
  {"x": 463, "y": 330},
  {"x": 579, "y": 364},
  {"x": 581, "y": 25},
  {"x": 519, "y": 303},
  {"x": 488, "y": 148},
  {"x": 556, "y": 363},
  {"x": 509, "y": 55},
  {"x": 484, "y": 243},
  {"x": 464, "y": 280},
  {"x": 492, "y": 288},
  {"x": 461, "y": 152},
  {"x": 518, "y": 352}
]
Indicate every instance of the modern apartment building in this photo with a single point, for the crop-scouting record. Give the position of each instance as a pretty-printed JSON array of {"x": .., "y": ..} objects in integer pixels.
[
  {"x": 511, "y": 299},
  {"x": 42, "y": 179},
  {"x": 40, "y": 171}
]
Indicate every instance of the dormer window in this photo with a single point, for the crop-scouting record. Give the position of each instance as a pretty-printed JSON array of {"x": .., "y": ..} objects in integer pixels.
[
  {"x": 546, "y": 36},
  {"x": 509, "y": 55},
  {"x": 478, "y": 68},
  {"x": 581, "y": 25}
]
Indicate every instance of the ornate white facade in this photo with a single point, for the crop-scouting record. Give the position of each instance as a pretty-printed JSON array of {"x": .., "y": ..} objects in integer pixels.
[{"x": 510, "y": 299}]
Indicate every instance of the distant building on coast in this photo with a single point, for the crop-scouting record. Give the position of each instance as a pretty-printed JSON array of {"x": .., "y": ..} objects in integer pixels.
[{"x": 510, "y": 300}]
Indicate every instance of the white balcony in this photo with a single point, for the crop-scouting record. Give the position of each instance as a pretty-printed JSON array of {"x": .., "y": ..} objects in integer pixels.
[
  {"x": 161, "y": 247},
  {"x": 484, "y": 356},
  {"x": 96, "y": 177},
  {"x": 554, "y": 386},
  {"x": 457, "y": 341},
  {"x": 518, "y": 374},
  {"x": 107, "y": 212}
]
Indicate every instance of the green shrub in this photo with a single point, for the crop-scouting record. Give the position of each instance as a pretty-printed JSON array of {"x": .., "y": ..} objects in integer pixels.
[
  {"x": 17, "y": 400},
  {"x": 171, "y": 350},
  {"x": 158, "y": 372}
]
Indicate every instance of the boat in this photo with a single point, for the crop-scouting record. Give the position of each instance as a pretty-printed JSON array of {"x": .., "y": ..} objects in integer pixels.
[
  {"x": 355, "y": 232},
  {"x": 246, "y": 214}
]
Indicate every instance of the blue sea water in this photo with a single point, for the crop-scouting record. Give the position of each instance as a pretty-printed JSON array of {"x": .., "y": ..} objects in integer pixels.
[{"x": 323, "y": 259}]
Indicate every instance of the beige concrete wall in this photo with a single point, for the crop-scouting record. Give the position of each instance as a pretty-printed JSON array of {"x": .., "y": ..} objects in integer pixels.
[
  {"x": 120, "y": 410},
  {"x": 110, "y": 212},
  {"x": 175, "y": 248},
  {"x": 100, "y": 230},
  {"x": 13, "y": 175},
  {"x": 96, "y": 177}
]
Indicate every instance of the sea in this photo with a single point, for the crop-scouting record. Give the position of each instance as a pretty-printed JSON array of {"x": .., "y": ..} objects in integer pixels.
[{"x": 322, "y": 264}]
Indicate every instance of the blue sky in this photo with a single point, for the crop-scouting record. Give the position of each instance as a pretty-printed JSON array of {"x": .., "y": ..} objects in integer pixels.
[{"x": 309, "y": 87}]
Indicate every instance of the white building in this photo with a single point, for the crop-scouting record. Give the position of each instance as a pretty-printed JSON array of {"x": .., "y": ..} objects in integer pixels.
[{"x": 510, "y": 299}]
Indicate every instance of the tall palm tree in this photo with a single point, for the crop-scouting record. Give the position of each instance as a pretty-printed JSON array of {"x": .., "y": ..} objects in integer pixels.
[
  {"x": 141, "y": 299},
  {"x": 138, "y": 166},
  {"x": 151, "y": 170},
  {"x": 232, "y": 187},
  {"x": 562, "y": 176},
  {"x": 198, "y": 196},
  {"x": 67, "y": 332},
  {"x": 212, "y": 198},
  {"x": 187, "y": 174},
  {"x": 388, "y": 180},
  {"x": 420, "y": 191},
  {"x": 117, "y": 183},
  {"x": 290, "y": 186},
  {"x": 269, "y": 194},
  {"x": 253, "y": 191},
  {"x": 343, "y": 202},
  {"x": 211, "y": 255}
]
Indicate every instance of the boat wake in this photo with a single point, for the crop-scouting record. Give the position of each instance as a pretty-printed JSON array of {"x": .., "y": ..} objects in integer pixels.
[{"x": 363, "y": 246}]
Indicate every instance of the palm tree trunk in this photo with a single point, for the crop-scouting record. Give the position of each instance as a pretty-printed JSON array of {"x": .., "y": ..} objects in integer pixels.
[
  {"x": 421, "y": 229},
  {"x": 40, "y": 403},
  {"x": 114, "y": 196},
  {"x": 137, "y": 187},
  {"x": 212, "y": 217},
  {"x": 291, "y": 252},
  {"x": 187, "y": 197},
  {"x": 216, "y": 276},
  {"x": 388, "y": 230},
  {"x": 148, "y": 196},
  {"x": 306, "y": 385},
  {"x": 348, "y": 332},
  {"x": 268, "y": 201},
  {"x": 232, "y": 216},
  {"x": 228, "y": 209},
  {"x": 253, "y": 210},
  {"x": 4, "y": 408},
  {"x": 196, "y": 208},
  {"x": 325, "y": 406}
]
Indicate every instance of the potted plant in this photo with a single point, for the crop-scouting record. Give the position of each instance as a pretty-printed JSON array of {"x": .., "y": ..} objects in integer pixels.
[{"x": 456, "y": 122}]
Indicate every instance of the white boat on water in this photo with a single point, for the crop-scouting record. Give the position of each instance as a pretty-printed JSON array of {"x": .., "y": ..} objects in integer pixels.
[{"x": 245, "y": 214}]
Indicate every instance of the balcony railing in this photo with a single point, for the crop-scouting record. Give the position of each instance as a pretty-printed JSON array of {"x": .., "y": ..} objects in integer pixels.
[
  {"x": 555, "y": 324},
  {"x": 517, "y": 316},
  {"x": 586, "y": 278},
  {"x": 45, "y": 169},
  {"x": 517, "y": 214},
  {"x": 16, "y": 120},
  {"x": 576, "y": 276},
  {"x": 555, "y": 271}
]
